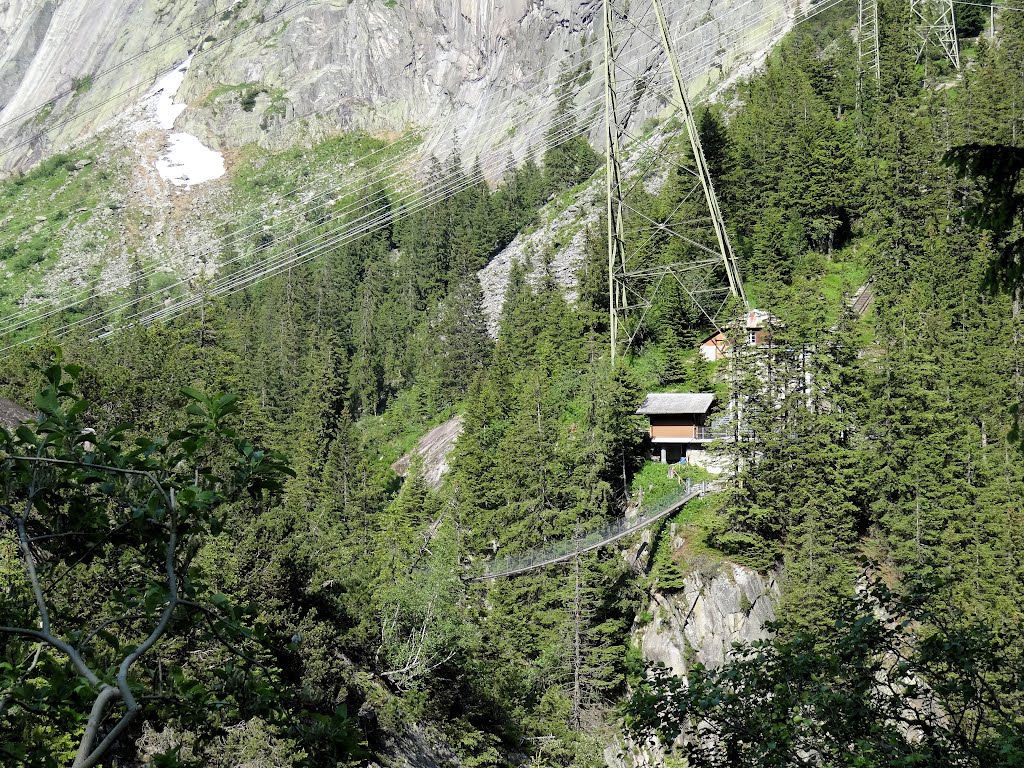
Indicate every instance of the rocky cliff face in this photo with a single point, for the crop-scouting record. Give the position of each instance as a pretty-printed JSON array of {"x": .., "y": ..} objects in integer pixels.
[
  {"x": 276, "y": 72},
  {"x": 432, "y": 450},
  {"x": 720, "y": 604},
  {"x": 481, "y": 76}
]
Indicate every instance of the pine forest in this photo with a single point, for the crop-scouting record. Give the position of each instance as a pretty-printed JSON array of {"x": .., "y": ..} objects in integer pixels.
[{"x": 225, "y": 542}]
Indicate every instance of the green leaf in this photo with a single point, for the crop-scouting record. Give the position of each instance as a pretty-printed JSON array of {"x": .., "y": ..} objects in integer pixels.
[
  {"x": 79, "y": 407},
  {"x": 53, "y": 374},
  {"x": 196, "y": 395},
  {"x": 46, "y": 401},
  {"x": 195, "y": 409},
  {"x": 155, "y": 596},
  {"x": 110, "y": 639},
  {"x": 226, "y": 402}
]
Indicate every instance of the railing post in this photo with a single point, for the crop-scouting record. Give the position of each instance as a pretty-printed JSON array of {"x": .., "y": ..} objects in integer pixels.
[{"x": 687, "y": 486}]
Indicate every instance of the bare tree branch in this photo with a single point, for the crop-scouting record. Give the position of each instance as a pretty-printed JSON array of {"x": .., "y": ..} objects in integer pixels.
[
  {"x": 99, "y": 467},
  {"x": 60, "y": 645},
  {"x": 29, "y": 558},
  {"x": 158, "y": 630},
  {"x": 87, "y": 755},
  {"x": 45, "y": 537}
]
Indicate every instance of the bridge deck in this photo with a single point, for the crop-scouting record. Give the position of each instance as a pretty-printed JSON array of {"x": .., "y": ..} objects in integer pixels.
[{"x": 542, "y": 558}]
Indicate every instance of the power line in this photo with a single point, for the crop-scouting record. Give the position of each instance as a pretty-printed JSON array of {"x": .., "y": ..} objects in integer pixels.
[
  {"x": 29, "y": 315},
  {"x": 366, "y": 224},
  {"x": 256, "y": 273},
  {"x": 997, "y": 6},
  {"x": 34, "y": 313},
  {"x": 698, "y": 65},
  {"x": 212, "y": 248},
  {"x": 146, "y": 82},
  {"x": 452, "y": 117},
  {"x": 265, "y": 271}
]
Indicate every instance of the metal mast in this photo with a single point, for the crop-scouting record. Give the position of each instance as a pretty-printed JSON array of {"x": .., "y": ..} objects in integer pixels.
[
  {"x": 868, "y": 64},
  {"x": 613, "y": 174},
  {"x": 728, "y": 258},
  {"x": 693, "y": 231},
  {"x": 936, "y": 22}
]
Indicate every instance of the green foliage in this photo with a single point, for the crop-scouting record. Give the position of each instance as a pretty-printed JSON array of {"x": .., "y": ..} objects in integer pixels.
[
  {"x": 1000, "y": 168},
  {"x": 40, "y": 208},
  {"x": 568, "y": 162},
  {"x": 81, "y": 84},
  {"x": 247, "y": 101},
  {"x": 107, "y": 531},
  {"x": 343, "y": 366},
  {"x": 879, "y": 692},
  {"x": 970, "y": 20},
  {"x": 669, "y": 575},
  {"x": 652, "y": 483},
  {"x": 896, "y": 431},
  {"x": 878, "y": 430}
]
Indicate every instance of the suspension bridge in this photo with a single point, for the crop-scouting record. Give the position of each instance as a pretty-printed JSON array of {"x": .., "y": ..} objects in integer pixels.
[{"x": 566, "y": 549}]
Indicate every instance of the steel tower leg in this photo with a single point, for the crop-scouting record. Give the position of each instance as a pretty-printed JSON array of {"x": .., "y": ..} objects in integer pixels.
[
  {"x": 936, "y": 22},
  {"x": 613, "y": 175},
  {"x": 728, "y": 257},
  {"x": 632, "y": 278},
  {"x": 868, "y": 64}
]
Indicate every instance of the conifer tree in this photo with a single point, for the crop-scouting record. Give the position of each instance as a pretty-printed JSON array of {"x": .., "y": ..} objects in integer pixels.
[{"x": 455, "y": 346}]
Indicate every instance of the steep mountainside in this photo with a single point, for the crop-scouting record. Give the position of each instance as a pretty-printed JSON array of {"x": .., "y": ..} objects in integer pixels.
[
  {"x": 266, "y": 530},
  {"x": 163, "y": 107},
  {"x": 284, "y": 71}
]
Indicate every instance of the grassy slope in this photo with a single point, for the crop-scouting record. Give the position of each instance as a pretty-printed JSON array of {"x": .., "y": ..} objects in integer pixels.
[{"x": 38, "y": 210}]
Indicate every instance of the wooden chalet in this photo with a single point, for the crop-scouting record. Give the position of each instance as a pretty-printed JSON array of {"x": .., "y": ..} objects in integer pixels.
[
  {"x": 678, "y": 423},
  {"x": 752, "y": 331}
]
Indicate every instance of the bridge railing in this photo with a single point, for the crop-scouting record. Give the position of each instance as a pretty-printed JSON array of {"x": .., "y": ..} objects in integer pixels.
[
  {"x": 711, "y": 433},
  {"x": 567, "y": 548}
]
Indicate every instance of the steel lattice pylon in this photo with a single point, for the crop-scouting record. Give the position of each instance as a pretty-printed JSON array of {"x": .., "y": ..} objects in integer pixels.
[
  {"x": 936, "y": 22},
  {"x": 691, "y": 231},
  {"x": 868, "y": 62}
]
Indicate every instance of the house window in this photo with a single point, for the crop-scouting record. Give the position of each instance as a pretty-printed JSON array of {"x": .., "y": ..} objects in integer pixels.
[{"x": 752, "y": 337}]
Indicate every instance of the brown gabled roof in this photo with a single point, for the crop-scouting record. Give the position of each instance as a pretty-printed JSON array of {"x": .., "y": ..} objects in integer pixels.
[
  {"x": 755, "y": 319},
  {"x": 676, "y": 402},
  {"x": 12, "y": 415}
]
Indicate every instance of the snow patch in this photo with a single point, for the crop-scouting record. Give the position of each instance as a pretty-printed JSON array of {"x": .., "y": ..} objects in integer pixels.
[
  {"x": 187, "y": 161},
  {"x": 163, "y": 93}
]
